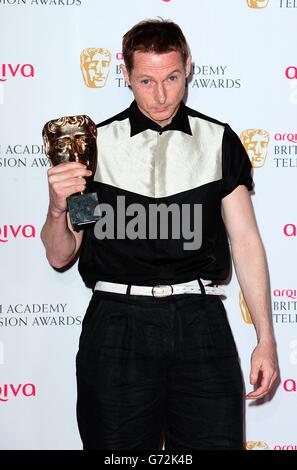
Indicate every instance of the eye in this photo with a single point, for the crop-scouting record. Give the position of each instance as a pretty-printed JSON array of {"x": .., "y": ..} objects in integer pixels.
[
  {"x": 60, "y": 146},
  {"x": 84, "y": 140},
  {"x": 146, "y": 81},
  {"x": 92, "y": 65},
  {"x": 172, "y": 78}
]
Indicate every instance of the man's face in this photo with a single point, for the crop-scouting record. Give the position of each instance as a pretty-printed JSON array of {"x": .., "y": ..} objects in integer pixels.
[
  {"x": 255, "y": 142},
  {"x": 95, "y": 64},
  {"x": 71, "y": 143},
  {"x": 158, "y": 83}
]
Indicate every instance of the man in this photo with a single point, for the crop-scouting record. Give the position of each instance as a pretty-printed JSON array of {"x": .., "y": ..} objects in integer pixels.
[{"x": 156, "y": 355}]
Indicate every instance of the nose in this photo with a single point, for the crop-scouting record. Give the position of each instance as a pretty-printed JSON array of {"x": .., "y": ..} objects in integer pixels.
[
  {"x": 99, "y": 69},
  {"x": 258, "y": 149},
  {"x": 74, "y": 151},
  {"x": 161, "y": 93}
]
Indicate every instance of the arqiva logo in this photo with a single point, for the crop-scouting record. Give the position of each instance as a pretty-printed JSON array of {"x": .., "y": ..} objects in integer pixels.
[
  {"x": 19, "y": 70},
  {"x": 290, "y": 293},
  {"x": 290, "y": 230},
  {"x": 8, "y": 391},
  {"x": 290, "y": 385},
  {"x": 291, "y": 72},
  {"x": 7, "y": 232}
]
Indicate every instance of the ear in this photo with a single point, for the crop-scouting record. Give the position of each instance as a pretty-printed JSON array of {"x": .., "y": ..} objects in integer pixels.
[
  {"x": 125, "y": 73},
  {"x": 188, "y": 66},
  {"x": 46, "y": 142}
]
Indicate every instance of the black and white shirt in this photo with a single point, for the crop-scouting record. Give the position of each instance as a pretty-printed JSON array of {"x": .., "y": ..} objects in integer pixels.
[{"x": 189, "y": 165}]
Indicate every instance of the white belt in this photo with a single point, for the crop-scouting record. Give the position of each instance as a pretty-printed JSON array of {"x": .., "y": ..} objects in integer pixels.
[{"x": 191, "y": 287}]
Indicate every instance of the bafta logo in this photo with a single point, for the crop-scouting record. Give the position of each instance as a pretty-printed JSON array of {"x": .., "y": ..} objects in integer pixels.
[
  {"x": 95, "y": 65},
  {"x": 257, "y": 4},
  {"x": 255, "y": 142},
  {"x": 256, "y": 445},
  {"x": 244, "y": 310}
]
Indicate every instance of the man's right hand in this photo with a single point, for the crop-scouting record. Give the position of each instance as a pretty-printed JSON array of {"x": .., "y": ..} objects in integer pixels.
[{"x": 63, "y": 180}]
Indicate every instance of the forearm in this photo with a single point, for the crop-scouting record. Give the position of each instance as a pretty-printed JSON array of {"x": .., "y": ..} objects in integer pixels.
[
  {"x": 252, "y": 273},
  {"x": 59, "y": 241}
]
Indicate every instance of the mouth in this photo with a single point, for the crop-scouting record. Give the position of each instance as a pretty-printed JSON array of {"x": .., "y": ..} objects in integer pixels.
[{"x": 160, "y": 110}]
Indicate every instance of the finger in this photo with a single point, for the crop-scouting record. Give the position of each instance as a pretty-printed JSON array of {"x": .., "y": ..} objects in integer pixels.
[
  {"x": 270, "y": 374},
  {"x": 264, "y": 386},
  {"x": 65, "y": 175},
  {"x": 254, "y": 374},
  {"x": 59, "y": 186},
  {"x": 273, "y": 379},
  {"x": 61, "y": 167},
  {"x": 262, "y": 389},
  {"x": 72, "y": 190},
  {"x": 250, "y": 396}
]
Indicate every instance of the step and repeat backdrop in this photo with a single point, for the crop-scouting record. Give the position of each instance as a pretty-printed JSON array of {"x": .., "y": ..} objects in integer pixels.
[{"x": 62, "y": 57}]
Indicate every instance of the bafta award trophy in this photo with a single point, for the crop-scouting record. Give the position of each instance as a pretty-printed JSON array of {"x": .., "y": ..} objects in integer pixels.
[{"x": 73, "y": 139}]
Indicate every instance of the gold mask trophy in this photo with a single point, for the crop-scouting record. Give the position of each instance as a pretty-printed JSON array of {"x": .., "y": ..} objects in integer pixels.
[{"x": 73, "y": 139}]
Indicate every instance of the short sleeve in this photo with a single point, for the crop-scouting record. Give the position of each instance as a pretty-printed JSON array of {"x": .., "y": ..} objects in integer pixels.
[{"x": 236, "y": 165}]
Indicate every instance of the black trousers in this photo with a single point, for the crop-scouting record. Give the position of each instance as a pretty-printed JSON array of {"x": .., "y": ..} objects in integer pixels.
[{"x": 154, "y": 371}]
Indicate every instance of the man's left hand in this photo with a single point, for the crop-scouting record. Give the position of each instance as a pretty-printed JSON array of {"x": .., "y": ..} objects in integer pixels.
[{"x": 264, "y": 369}]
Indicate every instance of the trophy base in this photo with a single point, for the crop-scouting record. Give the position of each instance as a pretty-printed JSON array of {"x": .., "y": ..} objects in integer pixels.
[{"x": 81, "y": 209}]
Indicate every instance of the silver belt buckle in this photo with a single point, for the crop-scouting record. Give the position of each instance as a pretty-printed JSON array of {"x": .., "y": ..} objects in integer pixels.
[{"x": 162, "y": 291}]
